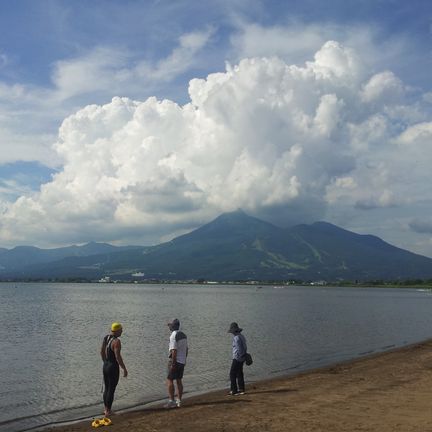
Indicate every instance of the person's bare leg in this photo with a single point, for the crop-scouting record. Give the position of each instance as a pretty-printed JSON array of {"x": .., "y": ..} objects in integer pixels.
[
  {"x": 170, "y": 386},
  {"x": 179, "y": 389}
]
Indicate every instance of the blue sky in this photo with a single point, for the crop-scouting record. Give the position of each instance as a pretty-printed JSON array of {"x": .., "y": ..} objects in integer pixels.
[
  {"x": 38, "y": 34},
  {"x": 192, "y": 129}
]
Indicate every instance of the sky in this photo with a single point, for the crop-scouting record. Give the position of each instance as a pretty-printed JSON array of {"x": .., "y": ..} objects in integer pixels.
[{"x": 132, "y": 122}]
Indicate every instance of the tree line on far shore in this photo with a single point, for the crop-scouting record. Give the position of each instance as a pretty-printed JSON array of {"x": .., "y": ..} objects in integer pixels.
[{"x": 341, "y": 283}]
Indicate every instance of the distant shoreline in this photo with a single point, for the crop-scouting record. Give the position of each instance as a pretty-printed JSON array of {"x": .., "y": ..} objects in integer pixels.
[{"x": 256, "y": 285}]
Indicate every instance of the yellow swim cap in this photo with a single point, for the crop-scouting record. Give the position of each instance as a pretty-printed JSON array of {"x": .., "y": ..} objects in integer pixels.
[{"x": 115, "y": 326}]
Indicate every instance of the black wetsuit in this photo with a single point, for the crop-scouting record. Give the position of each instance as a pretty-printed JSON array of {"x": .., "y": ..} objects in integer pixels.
[{"x": 111, "y": 372}]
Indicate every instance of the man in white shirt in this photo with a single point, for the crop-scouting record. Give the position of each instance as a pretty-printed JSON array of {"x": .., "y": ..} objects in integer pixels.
[{"x": 178, "y": 351}]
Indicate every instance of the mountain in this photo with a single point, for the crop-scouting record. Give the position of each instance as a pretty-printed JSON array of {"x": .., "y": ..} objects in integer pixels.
[
  {"x": 23, "y": 256},
  {"x": 343, "y": 254},
  {"x": 236, "y": 246}
]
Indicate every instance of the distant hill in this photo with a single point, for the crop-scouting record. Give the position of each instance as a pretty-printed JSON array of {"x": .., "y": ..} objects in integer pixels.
[
  {"x": 24, "y": 256},
  {"x": 236, "y": 246}
]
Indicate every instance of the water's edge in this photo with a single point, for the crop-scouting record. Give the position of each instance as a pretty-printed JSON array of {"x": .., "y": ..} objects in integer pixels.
[{"x": 290, "y": 372}]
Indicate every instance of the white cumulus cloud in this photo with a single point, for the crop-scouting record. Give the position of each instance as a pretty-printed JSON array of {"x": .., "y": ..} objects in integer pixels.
[
  {"x": 281, "y": 141},
  {"x": 383, "y": 86}
]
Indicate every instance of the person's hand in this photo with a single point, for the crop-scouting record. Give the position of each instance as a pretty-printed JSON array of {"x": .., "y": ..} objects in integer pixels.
[{"x": 125, "y": 372}]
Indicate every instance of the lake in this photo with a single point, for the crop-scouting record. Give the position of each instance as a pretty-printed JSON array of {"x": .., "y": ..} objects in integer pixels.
[{"x": 50, "y": 363}]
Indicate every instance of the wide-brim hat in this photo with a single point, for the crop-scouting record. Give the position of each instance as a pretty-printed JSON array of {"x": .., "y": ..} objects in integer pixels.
[{"x": 234, "y": 328}]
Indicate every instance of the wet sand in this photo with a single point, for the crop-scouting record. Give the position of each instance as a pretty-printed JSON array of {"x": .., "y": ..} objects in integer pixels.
[{"x": 386, "y": 392}]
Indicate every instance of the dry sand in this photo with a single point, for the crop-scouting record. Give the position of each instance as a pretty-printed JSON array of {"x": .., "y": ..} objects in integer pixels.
[{"x": 386, "y": 392}]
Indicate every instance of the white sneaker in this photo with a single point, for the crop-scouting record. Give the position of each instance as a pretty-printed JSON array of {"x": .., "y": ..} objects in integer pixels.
[
  {"x": 170, "y": 404},
  {"x": 178, "y": 402}
]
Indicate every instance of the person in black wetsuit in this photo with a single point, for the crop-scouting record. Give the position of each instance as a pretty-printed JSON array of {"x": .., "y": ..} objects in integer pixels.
[{"x": 112, "y": 362}]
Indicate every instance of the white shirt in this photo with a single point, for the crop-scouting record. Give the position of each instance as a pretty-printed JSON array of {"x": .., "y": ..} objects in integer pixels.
[{"x": 178, "y": 341}]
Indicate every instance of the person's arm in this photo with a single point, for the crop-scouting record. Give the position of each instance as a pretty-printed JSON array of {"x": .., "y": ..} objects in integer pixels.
[
  {"x": 173, "y": 358},
  {"x": 173, "y": 349},
  {"x": 244, "y": 343},
  {"x": 103, "y": 350},
  {"x": 116, "y": 346}
]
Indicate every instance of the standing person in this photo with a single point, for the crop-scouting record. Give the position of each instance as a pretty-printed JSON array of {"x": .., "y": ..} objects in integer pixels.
[
  {"x": 112, "y": 362},
  {"x": 239, "y": 349},
  {"x": 178, "y": 351}
]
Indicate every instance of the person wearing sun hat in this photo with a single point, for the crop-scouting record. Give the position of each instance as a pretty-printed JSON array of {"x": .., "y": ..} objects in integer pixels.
[
  {"x": 112, "y": 362},
  {"x": 239, "y": 350}
]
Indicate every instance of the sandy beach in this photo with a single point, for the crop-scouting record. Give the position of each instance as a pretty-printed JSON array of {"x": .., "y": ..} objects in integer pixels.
[{"x": 386, "y": 392}]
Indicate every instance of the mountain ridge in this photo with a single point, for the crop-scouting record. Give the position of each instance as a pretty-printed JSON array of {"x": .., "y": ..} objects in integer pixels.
[{"x": 235, "y": 246}]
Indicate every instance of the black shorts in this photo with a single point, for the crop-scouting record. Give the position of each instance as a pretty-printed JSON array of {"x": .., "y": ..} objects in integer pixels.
[{"x": 177, "y": 372}]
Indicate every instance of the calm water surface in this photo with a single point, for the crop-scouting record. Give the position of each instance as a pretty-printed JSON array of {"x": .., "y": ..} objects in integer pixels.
[{"x": 51, "y": 371}]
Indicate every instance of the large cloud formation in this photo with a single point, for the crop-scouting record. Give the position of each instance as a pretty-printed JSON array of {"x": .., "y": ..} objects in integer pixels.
[{"x": 281, "y": 141}]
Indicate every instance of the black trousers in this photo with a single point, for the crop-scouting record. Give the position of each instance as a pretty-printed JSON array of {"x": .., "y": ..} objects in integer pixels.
[
  {"x": 236, "y": 376},
  {"x": 111, "y": 375}
]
